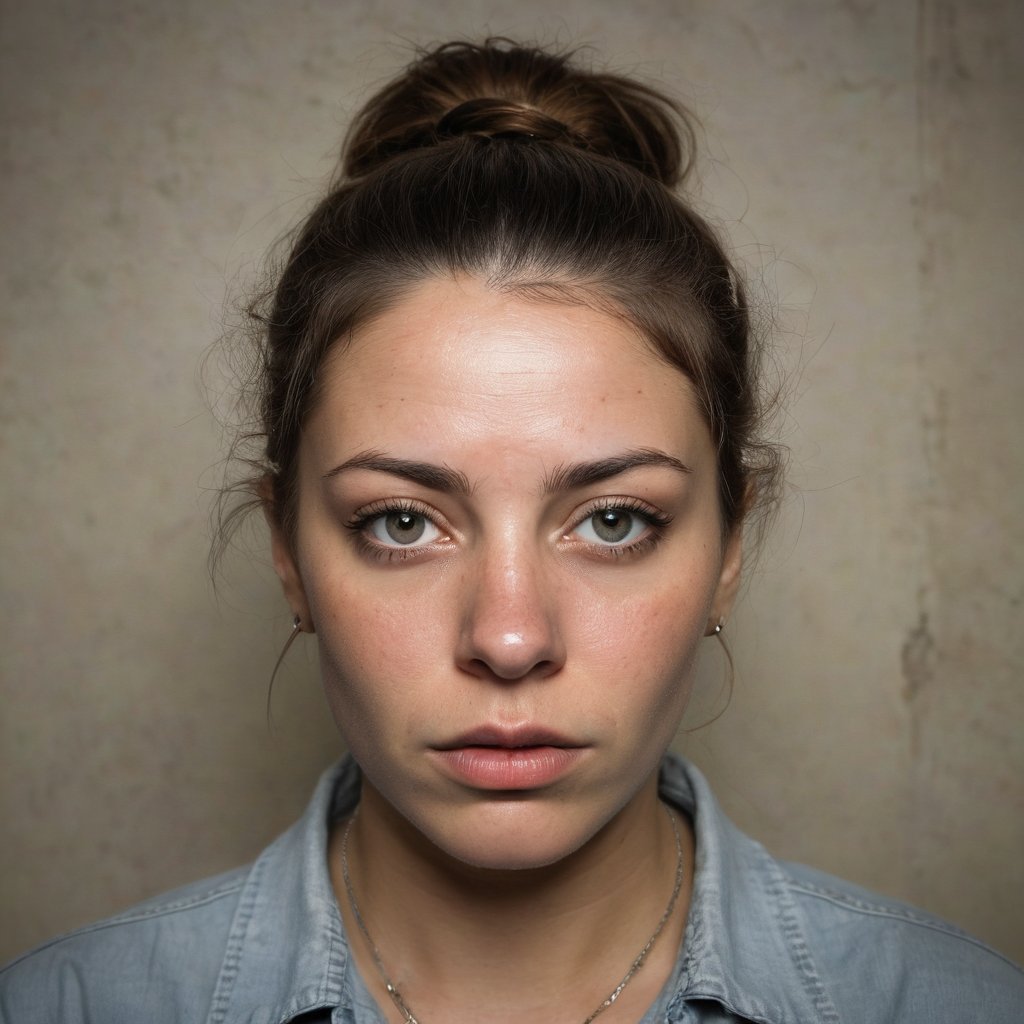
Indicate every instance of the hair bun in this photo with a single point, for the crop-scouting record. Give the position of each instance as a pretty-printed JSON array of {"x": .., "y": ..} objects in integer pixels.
[
  {"x": 502, "y": 89},
  {"x": 496, "y": 119}
]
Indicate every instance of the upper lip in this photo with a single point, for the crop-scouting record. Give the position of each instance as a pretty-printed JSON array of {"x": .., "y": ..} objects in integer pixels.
[{"x": 509, "y": 737}]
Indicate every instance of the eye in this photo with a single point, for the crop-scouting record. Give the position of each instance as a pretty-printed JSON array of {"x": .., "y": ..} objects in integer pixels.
[
  {"x": 613, "y": 526},
  {"x": 402, "y": 528}
]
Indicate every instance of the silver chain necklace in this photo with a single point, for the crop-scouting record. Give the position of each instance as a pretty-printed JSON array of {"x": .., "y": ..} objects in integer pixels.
[{"x": 396, "y": 997}]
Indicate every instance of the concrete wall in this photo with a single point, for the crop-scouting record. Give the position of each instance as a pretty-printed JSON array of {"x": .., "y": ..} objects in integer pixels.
[{"x": 866, "y": 159}]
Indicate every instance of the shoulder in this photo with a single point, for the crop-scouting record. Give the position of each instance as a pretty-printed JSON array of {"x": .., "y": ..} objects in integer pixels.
[
  {"x": 165, "y": 953},
  {"x": 777, "y": 941},
  {"x": 868, "y": 948}
]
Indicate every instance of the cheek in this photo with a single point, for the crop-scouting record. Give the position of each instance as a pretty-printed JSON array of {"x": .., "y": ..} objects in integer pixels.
[
  {"x": 375, "y": 653},
  {"x": 644, "y": 645}
]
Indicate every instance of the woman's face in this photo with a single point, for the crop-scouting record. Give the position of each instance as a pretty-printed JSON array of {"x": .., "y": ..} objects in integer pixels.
[{"x": 510, "y": 546}]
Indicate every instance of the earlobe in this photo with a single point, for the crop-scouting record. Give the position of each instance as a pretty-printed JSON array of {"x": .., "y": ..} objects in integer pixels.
[
  {"x": 285, "y": 565},
  {"x": 728, "y": 582}
]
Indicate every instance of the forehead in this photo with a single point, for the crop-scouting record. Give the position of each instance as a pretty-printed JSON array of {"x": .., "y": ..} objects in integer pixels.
[{"x": 456, "y": 361}]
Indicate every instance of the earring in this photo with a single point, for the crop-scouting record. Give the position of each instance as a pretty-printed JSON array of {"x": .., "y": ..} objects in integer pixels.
[
  {"x": 717, "y": 629},
  {"x": 296, "y": 630}
]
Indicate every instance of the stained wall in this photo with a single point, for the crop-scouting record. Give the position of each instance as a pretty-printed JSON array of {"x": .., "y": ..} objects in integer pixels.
[{"x": 866, "y": 160}]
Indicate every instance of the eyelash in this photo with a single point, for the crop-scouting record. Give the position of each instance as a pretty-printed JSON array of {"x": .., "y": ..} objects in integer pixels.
[
  {"x": 656, "y": 520},
  {"x": 360, "y": 523}
]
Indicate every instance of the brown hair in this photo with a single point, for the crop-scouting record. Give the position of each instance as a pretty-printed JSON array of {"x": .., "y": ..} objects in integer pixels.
[{"x": 512, "y": 164}]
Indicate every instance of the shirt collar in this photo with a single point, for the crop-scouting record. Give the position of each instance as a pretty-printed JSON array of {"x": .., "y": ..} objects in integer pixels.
[
  {"x": 287, "y": 953},
  {"x": 744, "y": 946}
]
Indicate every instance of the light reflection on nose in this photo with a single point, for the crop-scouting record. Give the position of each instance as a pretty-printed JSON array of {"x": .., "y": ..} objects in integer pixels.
[{"x": 511, "y": 627}]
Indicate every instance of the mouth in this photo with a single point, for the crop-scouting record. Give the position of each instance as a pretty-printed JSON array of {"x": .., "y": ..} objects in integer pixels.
[
  {"x": 517, "y": 738},
  {"x": 498, "y": 758}
]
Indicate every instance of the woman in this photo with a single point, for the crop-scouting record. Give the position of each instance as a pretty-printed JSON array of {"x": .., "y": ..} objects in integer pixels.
[{"x": 510, "y": 414}]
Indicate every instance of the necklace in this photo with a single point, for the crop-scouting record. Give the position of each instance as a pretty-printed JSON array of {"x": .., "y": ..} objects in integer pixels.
[{"x": 396, "y": 996}]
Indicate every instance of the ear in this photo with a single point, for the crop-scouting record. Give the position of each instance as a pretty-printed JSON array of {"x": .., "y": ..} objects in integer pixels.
[
  {"x": 285, "y": 566},
  {"x": 728, "y": 579}
]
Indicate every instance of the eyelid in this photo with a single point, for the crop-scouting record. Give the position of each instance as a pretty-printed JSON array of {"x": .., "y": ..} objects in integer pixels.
[
  {"x": 382, "y": 506},
  {"x": 656, "y": 519},
  {"x": 637, "y": 506},
  {"x": 361, "y": 519},
  {"x": 657, "y": 522}
]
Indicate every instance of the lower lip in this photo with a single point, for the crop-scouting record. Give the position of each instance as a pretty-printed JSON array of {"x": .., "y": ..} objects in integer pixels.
[{"x": 510, "y": 767}]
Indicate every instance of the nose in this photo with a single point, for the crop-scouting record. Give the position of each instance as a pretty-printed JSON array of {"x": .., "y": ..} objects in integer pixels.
[{"x": 511, "y": 620}]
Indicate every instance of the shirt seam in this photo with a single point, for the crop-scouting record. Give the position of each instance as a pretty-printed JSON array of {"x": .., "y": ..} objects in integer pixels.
[
  {"x": 333, "y": 982},
  {"x": 222, "y": 994},
  {"x": 132, "y": 917},
  {"x": 789, "y": 921},
  {"x": 907, "y": 914}
]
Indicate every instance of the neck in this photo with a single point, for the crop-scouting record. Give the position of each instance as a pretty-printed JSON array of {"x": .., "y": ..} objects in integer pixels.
[{"x": 483, "y": 945}]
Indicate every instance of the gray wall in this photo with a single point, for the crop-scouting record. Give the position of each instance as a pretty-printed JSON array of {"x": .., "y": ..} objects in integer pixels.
[{"x": 866, "y": 158}]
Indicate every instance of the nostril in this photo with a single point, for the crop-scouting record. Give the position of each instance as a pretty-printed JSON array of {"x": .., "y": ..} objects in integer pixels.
[
  {"x": 510, "y": 627},
  {"x": 508, "y": 671}
]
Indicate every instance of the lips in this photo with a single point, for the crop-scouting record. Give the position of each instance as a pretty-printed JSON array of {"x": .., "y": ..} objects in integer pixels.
[
  {"x": 499, "y": 758},
  {"x": 510, "y": 738}
]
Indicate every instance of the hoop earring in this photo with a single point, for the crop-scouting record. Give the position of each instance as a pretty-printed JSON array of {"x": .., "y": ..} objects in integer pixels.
[
  {"x": 730, "y": 676},
  {"x": 296, "y": 630}
]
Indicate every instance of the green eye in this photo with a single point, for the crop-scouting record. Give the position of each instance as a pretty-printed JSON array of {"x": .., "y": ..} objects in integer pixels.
[
  {"x": 403, "y": 528},
  {"x": 612, "y": 526}
]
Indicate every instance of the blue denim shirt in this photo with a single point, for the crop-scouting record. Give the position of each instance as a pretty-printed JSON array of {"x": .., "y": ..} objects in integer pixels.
[{"x": 765, "y": 941}]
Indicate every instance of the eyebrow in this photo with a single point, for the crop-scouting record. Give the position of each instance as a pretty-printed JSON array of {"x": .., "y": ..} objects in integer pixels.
[
  {"x": 562, "y": 478},
  {"x": 437, "y": 478},
  {"x": 580, "y": 474}
]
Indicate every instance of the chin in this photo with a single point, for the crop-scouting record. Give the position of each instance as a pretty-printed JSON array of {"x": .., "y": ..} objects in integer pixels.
[
  {"x": 513, "y": 836},
  {"x": 521, "y": 854}
]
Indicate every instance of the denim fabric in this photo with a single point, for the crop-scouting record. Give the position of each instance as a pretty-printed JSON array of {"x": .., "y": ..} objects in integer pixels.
[{"x": 765, "y": 941}]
